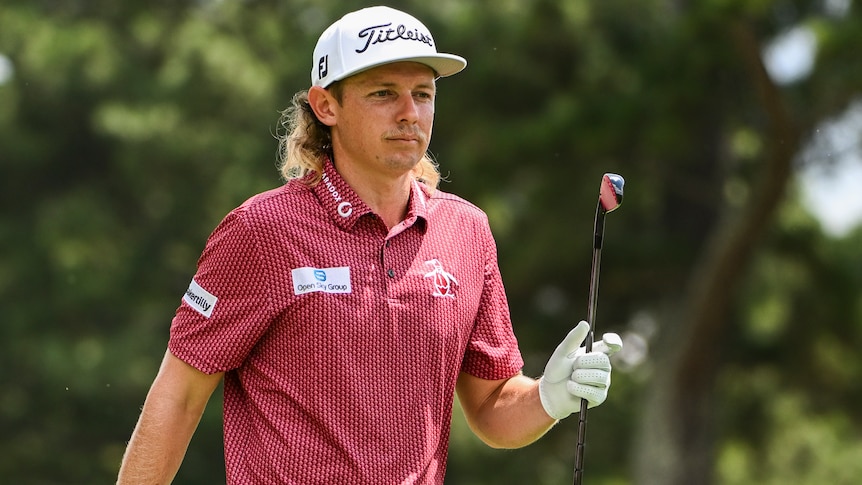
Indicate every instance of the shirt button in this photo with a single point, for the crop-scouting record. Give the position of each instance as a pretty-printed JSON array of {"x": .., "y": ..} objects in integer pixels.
[{"x": 391, "y": 273}]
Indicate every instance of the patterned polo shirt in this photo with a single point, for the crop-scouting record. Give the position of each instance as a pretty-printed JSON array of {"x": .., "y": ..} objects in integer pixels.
[{"x": 341, "y": 339}]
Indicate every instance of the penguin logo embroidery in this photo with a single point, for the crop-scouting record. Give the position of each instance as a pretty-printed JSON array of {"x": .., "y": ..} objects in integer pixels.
[{"x": 444, "y": 283}]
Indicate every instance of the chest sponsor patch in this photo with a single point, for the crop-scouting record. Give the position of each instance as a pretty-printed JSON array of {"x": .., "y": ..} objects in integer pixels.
[
  {"x": 200, "y": 299},
  {"x": 327, "y": 280}
]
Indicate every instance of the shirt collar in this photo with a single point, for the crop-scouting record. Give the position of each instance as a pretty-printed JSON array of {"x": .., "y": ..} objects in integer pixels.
[
  {"x": 338, "y": 199},
  {"x": 345, "y": 207},
  {"x": 417, "y": 209}
]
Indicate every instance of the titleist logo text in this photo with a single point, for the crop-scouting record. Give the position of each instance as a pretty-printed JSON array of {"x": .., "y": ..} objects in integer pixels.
[{"x": 374, "y": 36}]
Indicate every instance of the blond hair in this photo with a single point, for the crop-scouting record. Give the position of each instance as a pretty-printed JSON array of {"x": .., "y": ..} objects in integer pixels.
[{"x": 305, "y": 143}]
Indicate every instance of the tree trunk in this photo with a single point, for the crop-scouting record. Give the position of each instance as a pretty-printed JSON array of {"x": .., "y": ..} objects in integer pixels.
[{"x": 677, "y": 440}]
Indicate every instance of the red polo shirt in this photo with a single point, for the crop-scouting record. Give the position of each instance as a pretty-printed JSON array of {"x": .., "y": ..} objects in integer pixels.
[{"x": 342, "y": 340}]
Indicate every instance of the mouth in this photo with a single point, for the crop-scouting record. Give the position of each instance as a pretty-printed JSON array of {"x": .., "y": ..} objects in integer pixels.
[
  {"x": 407, "y": 138},
  {"x": 404, "y": 137}
]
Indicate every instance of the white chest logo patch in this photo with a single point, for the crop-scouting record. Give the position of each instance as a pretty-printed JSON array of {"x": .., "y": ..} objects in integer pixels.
[
  {"x": 200, "y": 299},
  {"x": 327, "y": 280},
  {"x": 444, "y": 283}
]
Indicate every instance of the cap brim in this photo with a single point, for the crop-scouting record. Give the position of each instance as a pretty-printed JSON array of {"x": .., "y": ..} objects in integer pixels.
[{"x": 443, "y": 64}]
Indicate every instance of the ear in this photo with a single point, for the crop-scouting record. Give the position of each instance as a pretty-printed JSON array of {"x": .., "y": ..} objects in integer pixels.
[{"x": 323, "y": 104}]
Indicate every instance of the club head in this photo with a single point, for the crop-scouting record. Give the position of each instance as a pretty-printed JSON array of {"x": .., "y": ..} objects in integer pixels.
[{"x": 611, "y": 193}]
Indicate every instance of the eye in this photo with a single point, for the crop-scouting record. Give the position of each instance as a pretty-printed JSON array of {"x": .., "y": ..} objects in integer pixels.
[{"x": 424, "y": 95}]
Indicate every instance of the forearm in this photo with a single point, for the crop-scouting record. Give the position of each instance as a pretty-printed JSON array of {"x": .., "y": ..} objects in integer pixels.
[
  {"x": 158, "y": 444},
  {"x": 511, "y": 416},
  {"x": 171, "y": 414}
]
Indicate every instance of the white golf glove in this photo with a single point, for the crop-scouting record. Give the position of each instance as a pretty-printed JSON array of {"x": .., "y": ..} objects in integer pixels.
[{"x": 571, "y": 373}]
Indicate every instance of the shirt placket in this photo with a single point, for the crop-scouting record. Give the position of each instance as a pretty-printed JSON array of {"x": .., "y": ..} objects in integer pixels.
[{"x": 393, "y": 264}]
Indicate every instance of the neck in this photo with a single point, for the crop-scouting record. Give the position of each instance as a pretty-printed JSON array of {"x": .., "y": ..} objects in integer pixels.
[{"x": 387, "y": 195}]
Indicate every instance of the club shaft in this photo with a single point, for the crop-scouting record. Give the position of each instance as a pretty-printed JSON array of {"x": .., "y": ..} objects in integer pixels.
[{"x": 598, "y": 234}]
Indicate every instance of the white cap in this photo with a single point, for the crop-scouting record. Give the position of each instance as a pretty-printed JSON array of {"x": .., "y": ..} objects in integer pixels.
[{"x": 374, "y": 36}]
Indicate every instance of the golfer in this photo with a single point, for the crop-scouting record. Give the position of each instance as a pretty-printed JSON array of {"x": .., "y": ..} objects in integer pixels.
[{"x": 345, "y": 309}]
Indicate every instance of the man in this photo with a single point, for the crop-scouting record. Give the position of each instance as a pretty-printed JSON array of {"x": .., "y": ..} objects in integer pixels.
[{"x": 346, "y": 308}]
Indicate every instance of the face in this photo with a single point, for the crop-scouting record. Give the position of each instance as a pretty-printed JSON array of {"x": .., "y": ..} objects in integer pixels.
[{"x": 385, "y": 118}]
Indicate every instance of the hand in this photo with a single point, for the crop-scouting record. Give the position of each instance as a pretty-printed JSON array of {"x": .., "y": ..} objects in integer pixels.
[{"x": 572, "y": 374}]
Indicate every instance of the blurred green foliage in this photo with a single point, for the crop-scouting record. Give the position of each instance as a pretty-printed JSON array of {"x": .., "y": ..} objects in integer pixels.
[{"x": 128, "y": 129}]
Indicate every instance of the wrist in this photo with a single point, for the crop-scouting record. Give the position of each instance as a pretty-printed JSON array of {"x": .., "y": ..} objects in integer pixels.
[{"x": 548, "y": 397}]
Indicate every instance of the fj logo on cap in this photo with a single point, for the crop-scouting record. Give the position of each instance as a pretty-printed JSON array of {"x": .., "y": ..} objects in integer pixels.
[
  {"x": 323, "y": 67},
  {"x": 373, "y": 36}
]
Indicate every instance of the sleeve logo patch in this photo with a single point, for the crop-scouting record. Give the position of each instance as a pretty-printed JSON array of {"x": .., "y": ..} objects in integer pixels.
[
  {"x": 327, "y": 280},
  {"x": 200, "y": 299}
]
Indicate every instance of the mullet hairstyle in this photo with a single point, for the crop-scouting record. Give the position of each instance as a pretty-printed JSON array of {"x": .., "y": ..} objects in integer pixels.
[{"x": 306, "y": 143}]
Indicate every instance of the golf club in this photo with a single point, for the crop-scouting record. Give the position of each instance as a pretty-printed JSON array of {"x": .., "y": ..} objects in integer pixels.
[{"x": 610, "y": 198}]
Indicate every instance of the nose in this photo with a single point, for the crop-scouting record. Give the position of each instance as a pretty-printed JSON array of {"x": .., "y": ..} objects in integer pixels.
[{"x": 408, "y": 111}]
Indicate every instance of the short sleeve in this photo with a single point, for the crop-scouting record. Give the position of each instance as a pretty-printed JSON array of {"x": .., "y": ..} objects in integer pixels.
[
  {"x": 226, "y": 309},
  {"x": 492, "y": 352}
]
